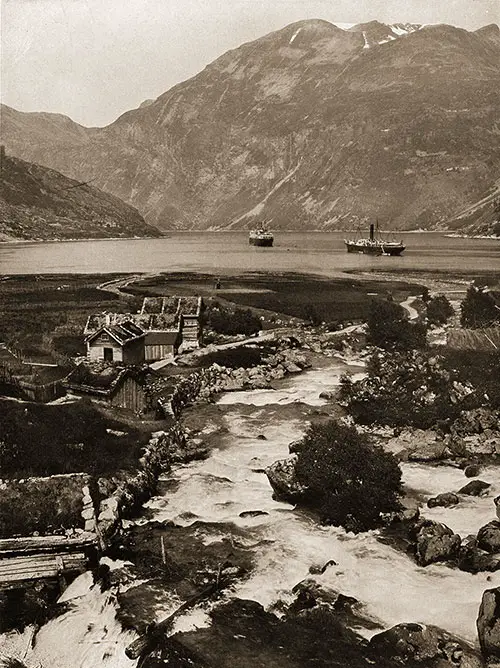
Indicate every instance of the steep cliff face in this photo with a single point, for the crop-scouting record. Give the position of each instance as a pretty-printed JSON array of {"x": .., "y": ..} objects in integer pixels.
[
  {"x": 309, "y": 127},
  {"x": 42, "y": 204}
]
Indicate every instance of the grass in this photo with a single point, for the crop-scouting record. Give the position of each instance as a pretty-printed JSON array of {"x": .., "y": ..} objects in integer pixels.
[
  {"x": 46, "y": 314},
  {"x": 41, "y": 440},
  {"x": 284, "y": 295}
]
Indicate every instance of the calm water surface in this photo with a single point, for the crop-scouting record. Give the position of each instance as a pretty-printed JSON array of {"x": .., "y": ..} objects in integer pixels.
[{"x": 227, "y": 252}]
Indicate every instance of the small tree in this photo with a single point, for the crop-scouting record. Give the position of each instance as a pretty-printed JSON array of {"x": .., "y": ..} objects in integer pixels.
[
  {"x": 349, "y": 480},
  {"x": 389, "y": 327},
  {"x": 439, "y": 310},
  {"x": 479, "y": 309}
]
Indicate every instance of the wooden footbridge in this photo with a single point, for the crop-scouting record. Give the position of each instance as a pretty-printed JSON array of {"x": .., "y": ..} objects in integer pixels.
[{"x": 23, "y": 561}]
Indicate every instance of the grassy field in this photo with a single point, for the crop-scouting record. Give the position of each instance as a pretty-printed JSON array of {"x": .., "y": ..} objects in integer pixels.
[
  {"x": 39, "y": 439},
  {"x": 46, "y": 314},
  {"x": 284, "y": 296}
]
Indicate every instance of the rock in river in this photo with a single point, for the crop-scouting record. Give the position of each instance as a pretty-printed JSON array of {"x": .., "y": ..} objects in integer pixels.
[
  {"x": 475, "y": 488},
  {"x": 488, "y": 537},
  {"x": 488, "y": 625},
  {"x": 436, "y": 542},
  {"x": 430, "y": 646},
  {"x": 444, "y": 500},
  {"x": 472, "y": 470},
  {"x": 284, "y": 481}
]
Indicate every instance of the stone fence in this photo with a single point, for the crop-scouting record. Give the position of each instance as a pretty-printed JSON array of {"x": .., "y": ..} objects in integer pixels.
[{"x": 170, "y": 446}]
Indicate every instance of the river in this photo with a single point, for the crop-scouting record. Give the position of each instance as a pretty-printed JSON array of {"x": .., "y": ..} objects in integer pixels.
[
  {"x": 229, "y": 252},
  {"x": 286, "y": 541}
]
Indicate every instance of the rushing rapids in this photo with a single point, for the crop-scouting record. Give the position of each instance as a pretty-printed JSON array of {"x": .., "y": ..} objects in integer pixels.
[{"x": 230, "y": 489}]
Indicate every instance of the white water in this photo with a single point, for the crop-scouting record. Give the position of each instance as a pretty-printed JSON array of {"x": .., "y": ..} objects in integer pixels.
[
  {"x": 287, "y": 541},
  {"x": 86, "y": 636}
]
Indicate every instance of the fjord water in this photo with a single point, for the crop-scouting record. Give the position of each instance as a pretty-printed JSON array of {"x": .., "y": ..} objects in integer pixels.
[{"x": 227, "y": 252}]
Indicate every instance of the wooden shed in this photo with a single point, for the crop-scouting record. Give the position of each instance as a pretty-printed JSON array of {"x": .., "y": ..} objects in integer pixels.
[
  {"x": 122, "y": 342},
  {"x": 159, "y": 345}
]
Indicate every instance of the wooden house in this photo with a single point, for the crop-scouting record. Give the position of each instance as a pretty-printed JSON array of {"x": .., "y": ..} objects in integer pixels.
[
  {"x": 161, "y": 344},
  {"x": 123, "y": 342},
  {"x": 186, "y": 313},
  {"x": 137, "y": 389},
  {"x": 162, "y": 337}
]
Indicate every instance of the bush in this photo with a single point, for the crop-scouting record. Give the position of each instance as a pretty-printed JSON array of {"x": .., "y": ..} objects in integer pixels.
[
  {"x": 406, "y": 389},
  {"x": 389, "y": 327},
  {"x": 232, "y": 321},
  {"x": 349, "y": 480},
  {"x": 479, "y": 308},
  {"x": 439, "y": 310}
]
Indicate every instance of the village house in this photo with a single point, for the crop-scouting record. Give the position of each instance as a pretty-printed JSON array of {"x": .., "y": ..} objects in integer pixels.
[
  {"x": 169, "y": 325},
  {"x": 186, "y": 313},
  {"x": 123, "y": 342},
  {"x": 137, "y": 389}
]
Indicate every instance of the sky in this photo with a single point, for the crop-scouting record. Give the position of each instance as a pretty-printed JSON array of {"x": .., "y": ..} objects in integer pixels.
[{"x": 95, "y": 59}]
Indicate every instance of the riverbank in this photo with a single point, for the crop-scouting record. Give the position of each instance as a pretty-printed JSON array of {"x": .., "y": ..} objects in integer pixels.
[{"x": 217, "y": 516}]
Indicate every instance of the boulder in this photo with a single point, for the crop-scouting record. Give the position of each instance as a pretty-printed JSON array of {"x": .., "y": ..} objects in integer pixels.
[
  {"x": 444, "y": 500},
  {"x": 435, "y": 542},
  {"x": 473, "y": 559},
  {"x": 488, "y": 625},
  {"x": 328, "y": 395},
  {"x": 472, "y": 470},
  {"x": 429, "y": 452},
  {"x": 284, "y": 481},
  {"x": 309, "y": 594},
  {"x": 295, "y": 446},
  {"x": 475, "y": 488},
  {"x": 419, "y": 644},
  {"x": 488, "y": 537}
]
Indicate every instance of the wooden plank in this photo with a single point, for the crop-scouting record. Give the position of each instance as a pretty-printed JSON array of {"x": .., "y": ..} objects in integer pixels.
[
  {"x": 28, "y": 565},
  {"x": 44, "y": 544}
]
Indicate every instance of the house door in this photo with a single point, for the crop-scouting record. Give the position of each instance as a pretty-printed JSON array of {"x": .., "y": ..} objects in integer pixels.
[{"x": 108, "y": 354}]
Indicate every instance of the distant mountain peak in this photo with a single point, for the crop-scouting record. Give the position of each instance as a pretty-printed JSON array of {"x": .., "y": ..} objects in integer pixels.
[{"x": 314, "y": 126}]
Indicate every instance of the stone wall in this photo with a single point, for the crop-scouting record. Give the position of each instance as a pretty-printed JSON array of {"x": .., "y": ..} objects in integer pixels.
[
  {"x": 46, "y": 506},
  {"x": 172, "y": 446}
]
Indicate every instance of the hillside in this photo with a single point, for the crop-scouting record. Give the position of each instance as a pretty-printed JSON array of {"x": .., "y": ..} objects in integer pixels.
[
  {"x": 481, "y": 218},
  {"x": 309, "y": 127},
  {"x": 38, "y": 203}
]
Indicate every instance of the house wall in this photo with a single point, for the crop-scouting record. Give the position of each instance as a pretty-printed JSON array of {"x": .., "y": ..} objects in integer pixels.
[
  {"x": 95, "y": 348},
  {"x": 130, "y": 353},
  {"x": 133, "y": 351},
  {"x": 191, "y": 332},
  {"x": 130, "y": 395},
  {"x": 152, "y": 353}
]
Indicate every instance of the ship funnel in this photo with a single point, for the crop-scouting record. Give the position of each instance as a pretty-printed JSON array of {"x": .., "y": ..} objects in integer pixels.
[{"x": 372, "y": 232}]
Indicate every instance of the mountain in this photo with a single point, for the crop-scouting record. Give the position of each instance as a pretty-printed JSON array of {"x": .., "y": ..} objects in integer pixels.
[
  {"x": 309, "y": 127},
  {"x": 39, "y": 203},
  {"x": 482, "y": 218}
]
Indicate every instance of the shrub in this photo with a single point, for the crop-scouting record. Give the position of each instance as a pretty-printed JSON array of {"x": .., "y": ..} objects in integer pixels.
[
  {"x": 349, "y": 480},
  {"x": 232, "y": 321},
  {"x": 406, "y": 389},
  {"x": 479, "y": 308},
  {"x": 439, "y": 310},
  {"x": 389, "y": 328}
]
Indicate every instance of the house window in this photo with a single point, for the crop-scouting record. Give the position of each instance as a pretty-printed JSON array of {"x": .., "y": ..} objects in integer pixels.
[{"x": 108, "y": 354}]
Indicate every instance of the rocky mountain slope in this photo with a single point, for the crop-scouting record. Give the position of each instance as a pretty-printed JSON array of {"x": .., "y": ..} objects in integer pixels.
[
  {"x": 482, "y": 218},
  {"x": 309, "y": 127},
  {"x": 42, "y": 204}
]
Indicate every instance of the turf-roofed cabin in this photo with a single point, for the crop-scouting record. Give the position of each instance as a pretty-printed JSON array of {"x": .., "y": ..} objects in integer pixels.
[
  {"x": 137, "y": 389},
  {"x": 120, "y": 342}
]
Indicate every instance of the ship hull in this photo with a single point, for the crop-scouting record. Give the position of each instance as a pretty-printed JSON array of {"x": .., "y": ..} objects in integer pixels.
[
  {"x": 261, "y": 241},
  {"x": 367, "y": 247}
]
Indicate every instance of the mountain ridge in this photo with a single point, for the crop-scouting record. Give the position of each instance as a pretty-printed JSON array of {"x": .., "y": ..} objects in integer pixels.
[
  {"x": 39, "y": 203},
  {"x": 306, "y": 127}
]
